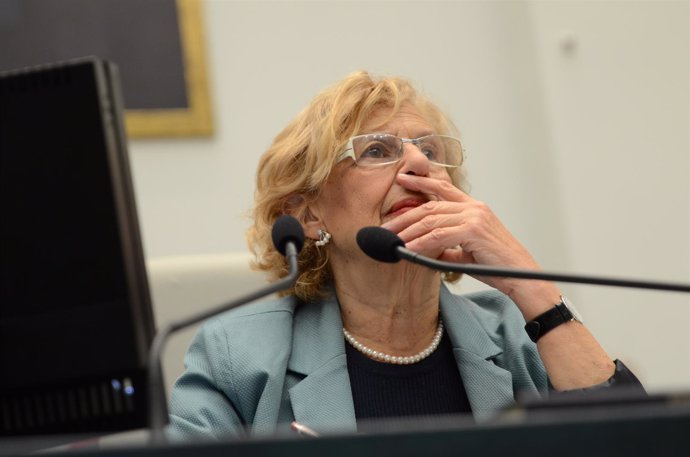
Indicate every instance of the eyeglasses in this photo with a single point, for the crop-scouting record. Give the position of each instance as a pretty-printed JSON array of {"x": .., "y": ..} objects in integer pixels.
[{"x": 378, "y": 149}]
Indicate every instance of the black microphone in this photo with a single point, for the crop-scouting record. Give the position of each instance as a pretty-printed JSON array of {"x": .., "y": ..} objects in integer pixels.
[
  {"x": 385, "y": 246},
  {"x": 286, "y": 230},
  {"x": 288, "y": 239}
]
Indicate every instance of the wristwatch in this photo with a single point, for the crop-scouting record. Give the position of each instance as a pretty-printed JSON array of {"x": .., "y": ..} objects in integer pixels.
[{"x": 563, "y": 312}]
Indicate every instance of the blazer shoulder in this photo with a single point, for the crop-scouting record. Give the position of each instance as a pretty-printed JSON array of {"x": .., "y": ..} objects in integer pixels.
[
  {"x": 492, "y": 306},
  {"x": 268, "y": 320},
  {"x": 236, "y": 361},
  {"x": 498, "y": 316},
  {"x": 263, "y": 309}
]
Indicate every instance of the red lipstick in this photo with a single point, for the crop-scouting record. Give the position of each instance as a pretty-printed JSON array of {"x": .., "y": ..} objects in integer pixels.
[{"x": 404, "y": 205}]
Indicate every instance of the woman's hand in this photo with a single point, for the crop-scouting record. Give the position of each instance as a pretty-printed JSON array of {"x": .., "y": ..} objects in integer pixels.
[
  {"x": 572, "y": 357},
  {"x": 458, "y": 228}
]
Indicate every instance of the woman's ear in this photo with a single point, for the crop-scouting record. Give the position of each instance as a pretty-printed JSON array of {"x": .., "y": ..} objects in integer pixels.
[
  {"x": 312, "y": 227},
  {"x": 296, "y": 205}
]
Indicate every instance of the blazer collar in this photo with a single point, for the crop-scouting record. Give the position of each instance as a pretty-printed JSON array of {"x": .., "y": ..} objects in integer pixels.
[
  {"x": 322, "y": 400},
  {"x": 489, "y": 387}
]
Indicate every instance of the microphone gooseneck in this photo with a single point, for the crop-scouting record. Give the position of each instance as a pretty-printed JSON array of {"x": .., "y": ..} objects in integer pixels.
[
  {"x": 385, "y": 246},
  {"x": 288, "y": 239}
]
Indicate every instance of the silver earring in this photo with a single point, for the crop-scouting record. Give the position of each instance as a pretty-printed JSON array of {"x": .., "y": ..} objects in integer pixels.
[{"x": 324, "y": 238}]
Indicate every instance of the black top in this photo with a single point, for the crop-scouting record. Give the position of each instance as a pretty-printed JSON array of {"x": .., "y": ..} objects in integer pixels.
[{"x": 432, "y": 386}]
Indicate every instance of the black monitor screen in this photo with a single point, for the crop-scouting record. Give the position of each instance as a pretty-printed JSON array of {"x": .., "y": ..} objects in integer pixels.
[{"x": 75, "y": 313}]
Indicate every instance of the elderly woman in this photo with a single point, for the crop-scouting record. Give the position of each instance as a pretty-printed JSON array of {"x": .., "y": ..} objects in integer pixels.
[{"x": 358, "y": 339}]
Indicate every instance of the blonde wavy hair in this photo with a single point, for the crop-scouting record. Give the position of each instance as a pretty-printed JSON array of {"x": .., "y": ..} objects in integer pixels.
[{"x": 301, "y": 157}]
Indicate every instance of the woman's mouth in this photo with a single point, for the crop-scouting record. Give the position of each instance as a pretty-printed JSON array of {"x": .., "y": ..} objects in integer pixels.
[{"x": 404, "y": 206}]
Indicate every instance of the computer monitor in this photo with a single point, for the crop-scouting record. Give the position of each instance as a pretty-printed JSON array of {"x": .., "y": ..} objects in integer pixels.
[{"x": 75, "y": 310}]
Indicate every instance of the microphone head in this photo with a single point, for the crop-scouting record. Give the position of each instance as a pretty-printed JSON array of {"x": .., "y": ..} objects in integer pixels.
[
  {"x": 379, "y": 244},
  {"x": 287, "y": 229}
]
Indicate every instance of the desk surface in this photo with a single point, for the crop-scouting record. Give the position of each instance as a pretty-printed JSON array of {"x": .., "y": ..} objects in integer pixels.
[{"x": 626, "y": 430}]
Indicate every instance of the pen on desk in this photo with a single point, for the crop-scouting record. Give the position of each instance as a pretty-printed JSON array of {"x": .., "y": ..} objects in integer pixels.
[{"x": 303, "y": 429}]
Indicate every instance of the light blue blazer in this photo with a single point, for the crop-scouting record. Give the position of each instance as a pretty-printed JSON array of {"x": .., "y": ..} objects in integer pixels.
[{"x": 257, "y": 368}]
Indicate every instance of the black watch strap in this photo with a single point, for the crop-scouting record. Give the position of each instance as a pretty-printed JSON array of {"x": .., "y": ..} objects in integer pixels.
[{"x": 544, "y": 323}]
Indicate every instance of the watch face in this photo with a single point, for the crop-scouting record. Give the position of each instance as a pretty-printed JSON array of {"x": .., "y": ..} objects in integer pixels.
[{"x": 576, "y": 314}]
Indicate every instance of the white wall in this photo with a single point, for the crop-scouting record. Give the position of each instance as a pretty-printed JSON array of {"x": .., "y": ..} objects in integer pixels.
[
  {"x": 584, "y": 154},
  {"x": 616, "y": 80}
]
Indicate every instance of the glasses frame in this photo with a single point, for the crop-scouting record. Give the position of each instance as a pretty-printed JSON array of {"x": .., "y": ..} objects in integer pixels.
[{"x": 349, "y": 150}]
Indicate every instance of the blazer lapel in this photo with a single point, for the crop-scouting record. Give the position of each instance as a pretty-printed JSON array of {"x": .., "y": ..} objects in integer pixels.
[
  {"x": 322, "y": 400},
  {"x": 489, "y": 387}
]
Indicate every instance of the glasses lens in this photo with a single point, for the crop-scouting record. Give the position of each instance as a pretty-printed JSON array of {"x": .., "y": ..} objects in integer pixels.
[
  {"x": 376, "y": 149},
  {"x": 382, "y": 148},
  {"x": 443, "y": 150}
]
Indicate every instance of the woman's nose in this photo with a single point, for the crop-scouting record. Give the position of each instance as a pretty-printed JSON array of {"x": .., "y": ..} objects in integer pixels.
[{"x": 414, "y": 162}]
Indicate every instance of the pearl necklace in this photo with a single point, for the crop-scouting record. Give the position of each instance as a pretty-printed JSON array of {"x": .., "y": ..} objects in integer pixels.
[{"x": 398, "y": 360}]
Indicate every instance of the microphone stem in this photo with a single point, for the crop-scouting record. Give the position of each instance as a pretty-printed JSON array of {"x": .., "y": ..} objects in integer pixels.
[
  {"x": 157, "y": 400},
  {"x": 485, "y": 270}
]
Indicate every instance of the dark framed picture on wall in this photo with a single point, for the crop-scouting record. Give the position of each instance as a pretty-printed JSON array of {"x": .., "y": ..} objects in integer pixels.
[{"x": 158, "y": 46}]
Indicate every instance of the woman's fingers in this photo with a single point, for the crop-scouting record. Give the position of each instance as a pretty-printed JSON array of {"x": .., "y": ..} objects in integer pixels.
[
  {"x": 456, "y": 255},
  {"x": 437, "y": 227},
  {"x": 444, "y": 190},
  {"x": 429, "y": 216}
]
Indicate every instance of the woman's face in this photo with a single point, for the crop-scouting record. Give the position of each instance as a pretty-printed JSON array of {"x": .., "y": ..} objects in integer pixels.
[{"x": 355, "y": 197}]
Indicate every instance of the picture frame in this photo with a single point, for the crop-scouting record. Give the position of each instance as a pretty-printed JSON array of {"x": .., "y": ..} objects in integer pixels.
[{"x": 195, "y": 119}]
